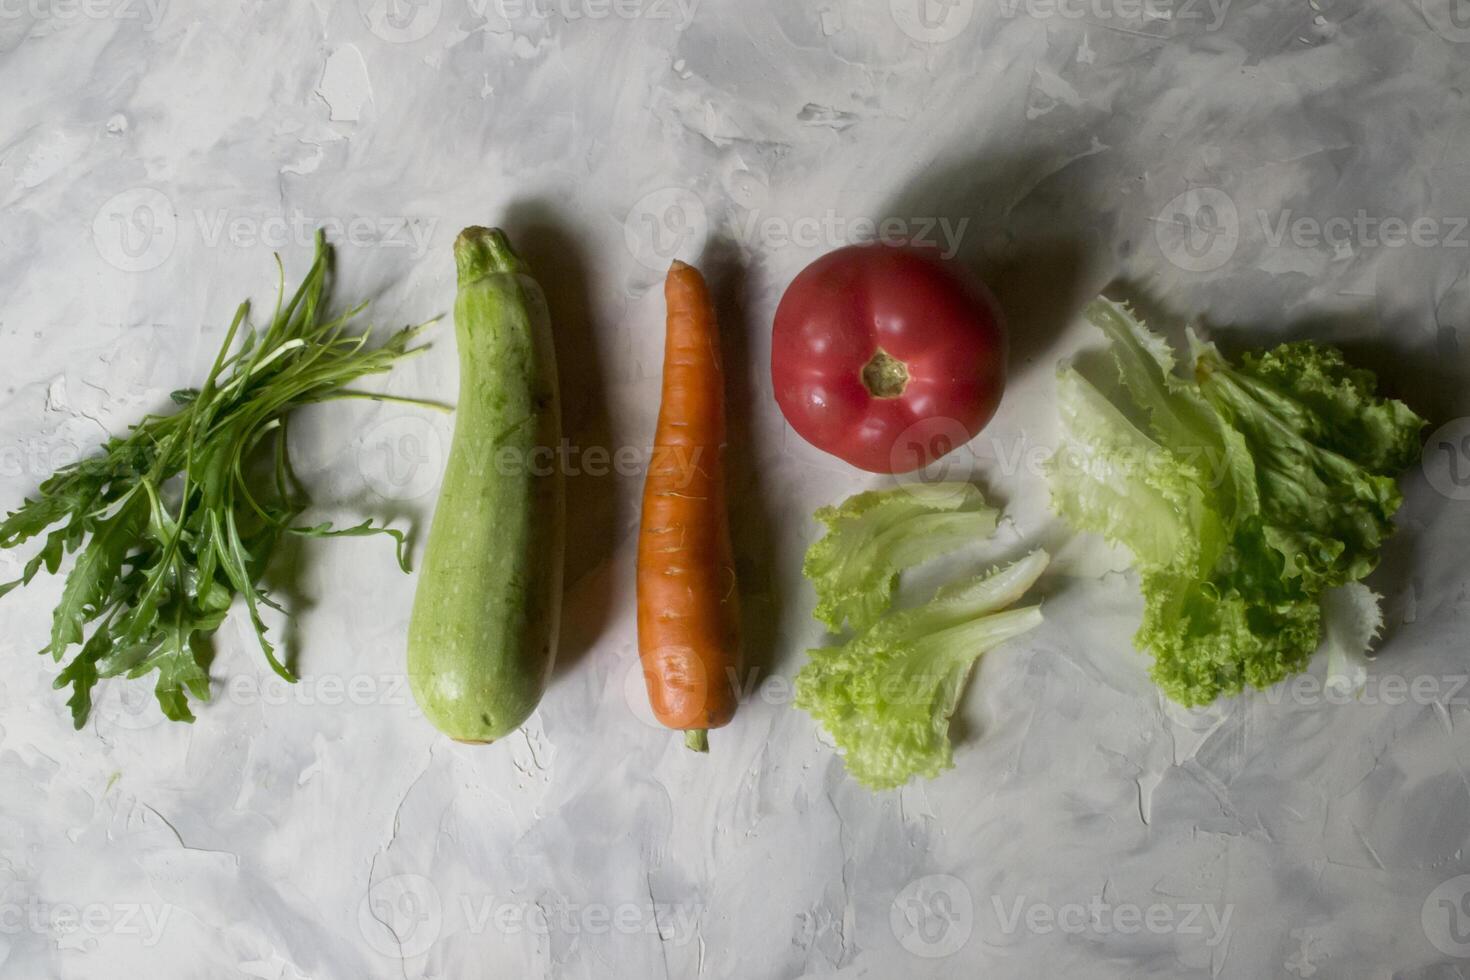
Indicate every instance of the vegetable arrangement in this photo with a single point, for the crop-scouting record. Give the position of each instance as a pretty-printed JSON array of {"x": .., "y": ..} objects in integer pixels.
[
  {"x": 482, "y": 639},
  {"x": 886, "y": 695},
  {"x": 1254, "y": 496},
  {"x": 174, "y": 521},
  {"x": 688, "y": 611},
  {"x": 1245, "y": 492}
]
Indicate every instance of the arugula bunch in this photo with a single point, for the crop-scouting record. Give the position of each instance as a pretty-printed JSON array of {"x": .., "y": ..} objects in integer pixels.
[{"x": 174, "y": 521}]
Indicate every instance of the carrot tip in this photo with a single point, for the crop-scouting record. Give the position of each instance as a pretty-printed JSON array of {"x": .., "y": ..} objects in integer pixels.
[{"x": 697, "y": 739}]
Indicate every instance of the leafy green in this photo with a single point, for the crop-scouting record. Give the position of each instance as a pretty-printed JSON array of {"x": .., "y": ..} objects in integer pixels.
[
  {"x": 886, "y": 696},
  {"x": 873, "y": 536},
  {"x": 173, "y": 521},
  {"x": 1245, "y": 493},
  {"x": 1351, "y": 620}
]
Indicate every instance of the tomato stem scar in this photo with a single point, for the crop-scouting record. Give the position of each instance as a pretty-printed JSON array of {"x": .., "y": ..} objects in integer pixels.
[{"x": 885, "y": 376}]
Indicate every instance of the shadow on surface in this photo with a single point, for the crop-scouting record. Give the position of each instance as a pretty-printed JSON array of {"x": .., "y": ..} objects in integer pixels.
[
  {"x": 751, "y": 518},
  {"x": 1042, "y": 268},
  {"x": 546, "y": 241}
]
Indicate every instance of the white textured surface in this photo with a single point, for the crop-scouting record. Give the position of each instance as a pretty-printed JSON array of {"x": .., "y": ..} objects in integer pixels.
[{"x": 152, "y": 156}]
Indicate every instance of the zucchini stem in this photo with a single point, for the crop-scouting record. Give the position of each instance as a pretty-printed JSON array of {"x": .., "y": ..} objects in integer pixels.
[{"x": 480, "y": 252}]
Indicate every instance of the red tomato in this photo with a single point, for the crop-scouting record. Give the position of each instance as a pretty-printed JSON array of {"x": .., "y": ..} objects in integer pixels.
[{"x": 887, "y": 357}]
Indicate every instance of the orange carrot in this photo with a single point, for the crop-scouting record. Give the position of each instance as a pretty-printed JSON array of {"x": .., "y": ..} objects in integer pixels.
[{"x": 688, "y": 611}]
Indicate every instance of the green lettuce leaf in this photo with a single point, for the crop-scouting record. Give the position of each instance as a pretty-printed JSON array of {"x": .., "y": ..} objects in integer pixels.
[
  {"x": 886, "y": 696},
  {"x": 872, "y": 537},
  {"x": 1245, "y": 492}
]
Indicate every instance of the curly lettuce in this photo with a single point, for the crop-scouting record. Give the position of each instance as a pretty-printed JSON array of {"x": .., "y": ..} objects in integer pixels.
[
  {"x": 1247, "y": 494},
  {"x": 872, "y": 537},
  {"x": 886, "y": 696}
]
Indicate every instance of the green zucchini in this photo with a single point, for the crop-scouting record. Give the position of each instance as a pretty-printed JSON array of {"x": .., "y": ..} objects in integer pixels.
[{"x": 482, "y": 638}]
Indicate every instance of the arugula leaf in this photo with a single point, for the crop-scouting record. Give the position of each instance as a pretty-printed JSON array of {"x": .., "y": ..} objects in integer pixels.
[
  {"x": 363, "y": 530},
  {"x": 174, "y": 521},
  {"x": 81, "y": 675},
  {"x": 33, "y": 518},
  {"x": 93, "y": 574}
]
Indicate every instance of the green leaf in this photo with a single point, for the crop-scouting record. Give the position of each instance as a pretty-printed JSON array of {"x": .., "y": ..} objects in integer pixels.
[
  {"x": 874, "y": 536},
  {"x": 1178, "y": 417},
  {"x": 1351, "y": 620},
  {"x": 180, "y": 673},
  {"x": 1245, "y": 494},
  {"x": 81, "y": 676},
  {"x": 172, "y": 522},
  {"x": 886, "y": 696},
  {"x": 1113, "y": 478},
  {"x": 91, "y": 578},
  {"x": 32, "y": 518},
  {"x": 366, "y": 529},
  {"x": 1336, "y": 405}
]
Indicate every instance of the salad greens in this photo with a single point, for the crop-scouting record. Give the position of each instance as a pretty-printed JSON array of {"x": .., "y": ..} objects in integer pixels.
[
  {"x": 874, "y": 536},
  {"x": 886, "y": 696},
  {"x": 174, "y": 521},
  {"x": 1246, "y": 492}
]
